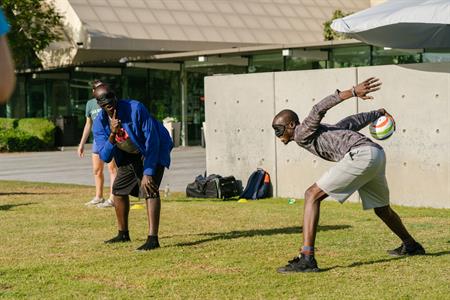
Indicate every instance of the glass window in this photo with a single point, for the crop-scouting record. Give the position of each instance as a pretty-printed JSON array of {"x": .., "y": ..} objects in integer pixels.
[
  {"x": 268, "y": 62},
  {"x": 436, "y": 56},
  {"x": 36, "y": 104},
  {"x": 16, "y": 107},
  {"x": 136, "y": 84},
  {"x": 164, "y": 94},
  {"x": 385, "y": 56},
  {"x": 306, "y": 59},
  {"x": 58, "y": 100},
  {"x": 350, "y": 57},
  {"x": 195, "y": 110}
]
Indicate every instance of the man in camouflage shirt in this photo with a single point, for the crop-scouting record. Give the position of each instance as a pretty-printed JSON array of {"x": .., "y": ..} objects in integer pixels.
[{"x": 361, "y": 167}]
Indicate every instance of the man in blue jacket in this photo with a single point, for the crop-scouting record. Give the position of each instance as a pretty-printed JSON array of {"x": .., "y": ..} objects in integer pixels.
[{"x": 141, "y": 146}]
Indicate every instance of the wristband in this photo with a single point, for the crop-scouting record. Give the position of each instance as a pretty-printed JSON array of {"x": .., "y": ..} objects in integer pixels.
[{"x": 353, "y": 92}]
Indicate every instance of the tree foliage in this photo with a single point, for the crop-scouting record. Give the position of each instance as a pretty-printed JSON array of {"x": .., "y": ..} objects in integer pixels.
[
  {"x": 34, "y": 25},
  {"x": 328, "y": 33}
]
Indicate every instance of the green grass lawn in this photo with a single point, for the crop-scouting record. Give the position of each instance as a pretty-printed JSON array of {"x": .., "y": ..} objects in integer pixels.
[{"x": 51, "y": 246}]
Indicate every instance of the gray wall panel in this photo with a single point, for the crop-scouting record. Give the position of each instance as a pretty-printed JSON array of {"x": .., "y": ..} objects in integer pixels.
[
  {"x": 239, "y": 111},
  {"x": 418, "y": 152}
]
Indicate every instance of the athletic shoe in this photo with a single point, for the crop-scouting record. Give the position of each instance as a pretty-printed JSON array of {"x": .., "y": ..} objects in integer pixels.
[
  {"x": 148, "y": 245},
  {"x": 415, "y": 249},
  {"x": 300, "y": 264},
  {"x": 106, "y": 204},
  {"x": 121, "y": 237},
  {"x": 94, "y": 201}
]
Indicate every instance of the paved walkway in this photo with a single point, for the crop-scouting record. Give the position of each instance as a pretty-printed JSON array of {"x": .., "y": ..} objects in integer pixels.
[{"x": 66, "y": 167}]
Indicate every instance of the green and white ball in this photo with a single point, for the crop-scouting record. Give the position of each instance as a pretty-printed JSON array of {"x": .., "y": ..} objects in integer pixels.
[{"x": 382, "y": 128}]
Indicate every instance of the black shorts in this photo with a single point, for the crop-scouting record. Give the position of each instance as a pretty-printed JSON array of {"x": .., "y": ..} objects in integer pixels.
[{"x": 129, "y": 176}]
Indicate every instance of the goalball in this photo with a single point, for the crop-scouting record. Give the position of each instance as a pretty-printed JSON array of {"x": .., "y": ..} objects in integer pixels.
[{"x": 382, "y": 128}]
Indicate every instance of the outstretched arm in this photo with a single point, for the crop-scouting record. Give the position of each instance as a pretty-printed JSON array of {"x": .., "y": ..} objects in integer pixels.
[{"x": 312, "y": 121}]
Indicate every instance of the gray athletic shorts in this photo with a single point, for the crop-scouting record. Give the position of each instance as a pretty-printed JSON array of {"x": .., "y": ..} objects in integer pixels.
[{"x": 363, "y": 170}]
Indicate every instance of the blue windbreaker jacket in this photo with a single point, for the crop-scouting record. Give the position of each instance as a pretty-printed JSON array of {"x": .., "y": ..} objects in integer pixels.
[{"x": 149, "y": 135}]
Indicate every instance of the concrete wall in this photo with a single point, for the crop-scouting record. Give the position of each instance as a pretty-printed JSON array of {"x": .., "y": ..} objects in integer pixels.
[
  {"x": 238, "y": 131},
  {"x": 240, "y": 108}
]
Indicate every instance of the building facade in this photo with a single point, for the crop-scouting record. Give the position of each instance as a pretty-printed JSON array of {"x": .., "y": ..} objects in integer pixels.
[{"x": 159, "y": 52}]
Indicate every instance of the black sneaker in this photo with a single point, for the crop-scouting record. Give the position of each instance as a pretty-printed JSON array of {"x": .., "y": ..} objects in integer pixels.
[
  {"x": 148, "y": 245},
  {"x": 415, "y": 249},
  {"x": 120, "y": 238},
  {"x": 300, "y": 264}
]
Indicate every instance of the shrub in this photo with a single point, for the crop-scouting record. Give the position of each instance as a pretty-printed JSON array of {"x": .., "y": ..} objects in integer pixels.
[
  {"x": 26, "y": 135},
  {"x": 42, "y": 129},
  {"x": 14, "y": 140},
  {"x": 7, "y": 123}
]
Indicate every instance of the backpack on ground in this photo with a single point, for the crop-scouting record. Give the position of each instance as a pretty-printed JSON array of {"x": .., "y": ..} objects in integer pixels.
[
  {"x": 213, "y": 186},
  {"x": 258, "y": 186}
]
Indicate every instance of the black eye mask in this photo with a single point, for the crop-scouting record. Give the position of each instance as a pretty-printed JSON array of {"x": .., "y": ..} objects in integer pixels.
[
  {"x": 279, "y": 130},
  {"x": 106, "y": 98}
]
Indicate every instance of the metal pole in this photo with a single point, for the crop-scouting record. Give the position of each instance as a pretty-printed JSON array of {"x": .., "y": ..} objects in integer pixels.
[{"x": 184, "y": 93}]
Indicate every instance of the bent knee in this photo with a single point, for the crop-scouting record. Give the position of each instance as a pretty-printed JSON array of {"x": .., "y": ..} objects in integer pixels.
[
  {"x": 112, "y": 169},
  {"x": 314, "y": 193},
  {"x": 97, "y": 171}
]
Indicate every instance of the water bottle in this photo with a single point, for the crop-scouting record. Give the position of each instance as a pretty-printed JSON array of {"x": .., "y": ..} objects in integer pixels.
[{"x": 166, "y": 191}]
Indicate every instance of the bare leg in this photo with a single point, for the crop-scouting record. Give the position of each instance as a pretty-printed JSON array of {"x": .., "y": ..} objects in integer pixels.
[
  {"x": 306, "y": 262},
  {"x": 122, "y": 207},
  {"x": 97, "y": 168},
  {"x": 112, "y": 168},
  {"x": 313, "y": 196},
  {"x": 153, "y": 213},
  {"x": 393, "y": 221}
]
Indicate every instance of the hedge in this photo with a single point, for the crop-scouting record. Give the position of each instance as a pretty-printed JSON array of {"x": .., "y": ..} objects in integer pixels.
[
  {"x": 26, "y": 135},
  {"x": 43, "y": 129},
  {"x": 7, "y": 123},
  {"x": 14, "y": 140}
]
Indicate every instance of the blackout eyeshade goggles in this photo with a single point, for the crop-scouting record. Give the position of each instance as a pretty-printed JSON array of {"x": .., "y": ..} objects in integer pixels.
[
  {"x": 279, "y": 130},
  {"x": 106, "y": 98}
]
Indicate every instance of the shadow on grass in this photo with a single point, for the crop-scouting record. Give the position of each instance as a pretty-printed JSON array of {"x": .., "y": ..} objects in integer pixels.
[
  {"x": 206, "y": 200},
  {"x": 9, "y": 206},
  {"x": 213, "y": 236},
  {"x": 28, "y": 193},
  {"x": 371, "y": 262}
]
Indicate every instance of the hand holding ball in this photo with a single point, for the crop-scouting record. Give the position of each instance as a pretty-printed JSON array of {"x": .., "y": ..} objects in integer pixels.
[{"x": 382, "y": 128}]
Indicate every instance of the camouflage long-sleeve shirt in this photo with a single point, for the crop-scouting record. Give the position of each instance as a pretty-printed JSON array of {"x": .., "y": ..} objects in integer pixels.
[{"x": 332, "y": 142}]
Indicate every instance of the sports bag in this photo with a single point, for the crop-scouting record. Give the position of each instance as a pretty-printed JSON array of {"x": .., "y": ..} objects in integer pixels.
[
  {"x": 258, "y": 186},
  {"x": 227, "y": 187},
  {"x": 213, "y": 186}
]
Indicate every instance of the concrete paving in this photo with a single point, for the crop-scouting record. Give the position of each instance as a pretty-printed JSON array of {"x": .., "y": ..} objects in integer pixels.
[{"x": 66, "y": 167}]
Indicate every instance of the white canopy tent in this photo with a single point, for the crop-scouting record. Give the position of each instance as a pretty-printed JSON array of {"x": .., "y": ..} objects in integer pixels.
[{"x": 405, "y": 24}]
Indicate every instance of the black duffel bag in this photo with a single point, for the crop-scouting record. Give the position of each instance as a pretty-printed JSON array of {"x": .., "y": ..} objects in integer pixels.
[{"x": 213, "y": 186}]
